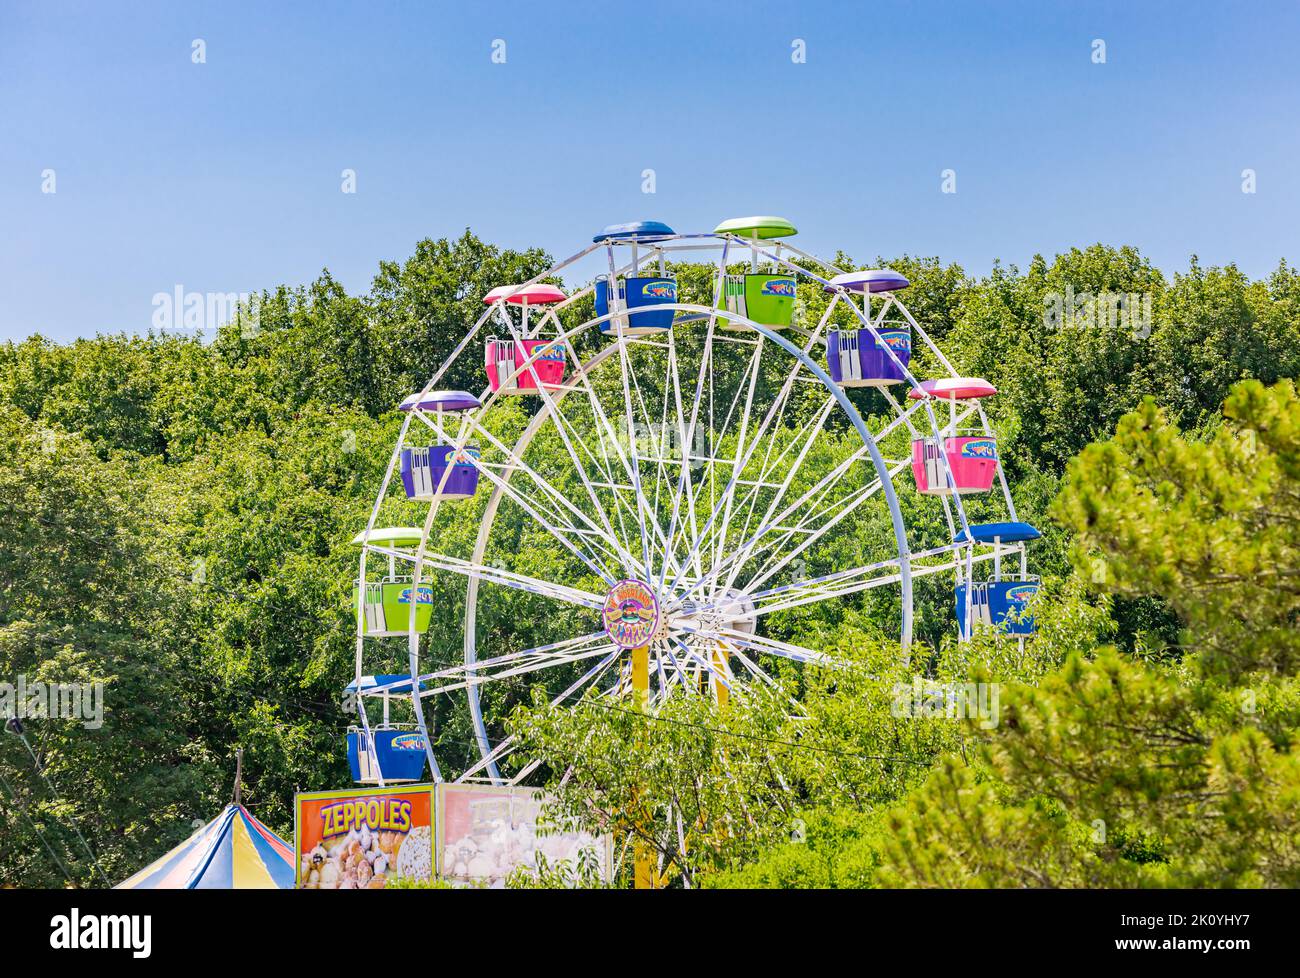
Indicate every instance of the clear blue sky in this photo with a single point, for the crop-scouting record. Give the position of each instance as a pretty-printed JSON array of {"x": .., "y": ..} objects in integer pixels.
[{"x": 225, "y": 176}]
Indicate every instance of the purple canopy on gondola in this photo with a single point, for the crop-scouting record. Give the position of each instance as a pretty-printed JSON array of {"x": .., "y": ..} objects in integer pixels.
[
  {"x": 870, "y": 280},
  {"x": 442, "y": 401}
]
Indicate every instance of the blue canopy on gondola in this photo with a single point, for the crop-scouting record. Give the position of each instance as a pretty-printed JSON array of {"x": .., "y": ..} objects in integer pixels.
[
  {"x": 634, "y": 230},
  {"x": 1006, "y": 532},
  {"x": 394, "y": 683}
]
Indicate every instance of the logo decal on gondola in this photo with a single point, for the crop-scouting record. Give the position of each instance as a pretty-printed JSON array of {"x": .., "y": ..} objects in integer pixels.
[
  {"x": 666, "y": 291},
  {"x": 426, "y": 596},
  {"x": 409, "y": 741},
  {"x": 1019, "y": 595},
  {"x": 466, "y": 456},
  {"x": 778, "y": 286},
  {"x": 980, "y": 448},
  {"x": 552, "y": 351},
  {"x": 899, "y": 341},
  {"x": 631, "y": 614}
]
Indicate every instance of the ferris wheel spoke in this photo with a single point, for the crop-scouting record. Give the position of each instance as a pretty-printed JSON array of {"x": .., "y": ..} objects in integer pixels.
[
  {"x": 679, "y": 674},
  {"x": 771, "y": 466},
  {"x": 819, "y": 519},
  {"x": 613, "y": 487},
  {"x": 782, "y": 531},
  {"x": 564, "y": 533},
  {"x": 760, "y": 643},
  {"x": 562, "y": 647},
  {"x": 508, "y": 744},
  {"x": 770, "y": 522},
  {"x": 754, "y": 669},
  {"x": 796, "y": 708},
  {"x": 510, "y": 666},
  {"x": 671, "y": 457},
  {"x": 702, "y": 661},
  {"x": 685, "y": 484},
  {"x": 498, "y": 575},
  {"x": 739, "y": 554},
  {"x": 561, "y": 533},
  {"x": 686, "y": 438},
  {"x": 658, "y": 458},
  {"x": 740, "y": 457},
  {"x": 609, "y": 437},
  {"x": 703, "y": 538},
  {"x": 746, "y": 447},
  {"x": 814, "y": 526},
  {"x": 514, "y": 463},
  {"x": 590, "y": 680},
  {"x": 634, "y": 471},
  {"x": 567, "y": 437},
  {"x": 838, "y": 512},
  {"x": 879, "y": 574}
]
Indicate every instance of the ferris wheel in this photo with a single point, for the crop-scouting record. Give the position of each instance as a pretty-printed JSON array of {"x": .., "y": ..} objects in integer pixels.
[{"x": 662, "y": 497}]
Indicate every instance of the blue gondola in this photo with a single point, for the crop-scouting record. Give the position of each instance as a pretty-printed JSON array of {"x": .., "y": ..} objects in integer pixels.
[
  {"x": 997, "y": 603},
  {"x": 397, "y": 750},
  {"x": 639, "y": 295}
]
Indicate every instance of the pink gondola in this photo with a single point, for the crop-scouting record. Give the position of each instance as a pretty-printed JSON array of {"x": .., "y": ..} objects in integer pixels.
[
  {"x": 972, "y": 459},
  {"x": 504, "y": 357},
  {"x": 971, "y": 456}
]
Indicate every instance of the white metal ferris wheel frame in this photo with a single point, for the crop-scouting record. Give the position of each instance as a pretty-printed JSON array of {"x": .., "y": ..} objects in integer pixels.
[{"x": 958, "y": 557}]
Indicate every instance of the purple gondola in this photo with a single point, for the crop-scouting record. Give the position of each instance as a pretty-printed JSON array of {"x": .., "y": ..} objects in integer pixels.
[
  {"x": 857, "y": 359},
  {"x": 423, "y": 471}
]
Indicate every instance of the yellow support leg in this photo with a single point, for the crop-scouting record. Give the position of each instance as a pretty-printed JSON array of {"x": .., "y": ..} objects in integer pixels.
[
  {"x": 644, "y": 871},
  {"x": 720, "y": 692}
]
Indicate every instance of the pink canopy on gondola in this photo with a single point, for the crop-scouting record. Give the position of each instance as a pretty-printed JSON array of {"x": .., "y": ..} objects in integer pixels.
[
  {"x": 535, "y": 295},
  {"x": 960, "y": 388}
]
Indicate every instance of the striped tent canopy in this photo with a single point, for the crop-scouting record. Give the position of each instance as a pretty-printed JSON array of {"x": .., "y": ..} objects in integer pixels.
[{"x": 232, "y": 852}]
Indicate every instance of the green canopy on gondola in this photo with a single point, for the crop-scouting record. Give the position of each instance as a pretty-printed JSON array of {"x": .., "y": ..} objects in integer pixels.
[
  {"x": 391, "y": 536},
  {"x": 757, "y": 227}
]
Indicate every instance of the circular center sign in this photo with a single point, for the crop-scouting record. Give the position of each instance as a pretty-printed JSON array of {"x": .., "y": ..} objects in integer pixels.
[{"x": 631, "y": 614}]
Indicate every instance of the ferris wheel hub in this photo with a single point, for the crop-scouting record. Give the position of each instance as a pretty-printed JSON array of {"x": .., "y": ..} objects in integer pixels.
[
  {"x": 632, "y": 614},
  {"x": 729, "y": 610}
]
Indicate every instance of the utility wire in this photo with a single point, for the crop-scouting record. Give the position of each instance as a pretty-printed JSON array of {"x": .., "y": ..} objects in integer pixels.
[
  {"x": 762, "y": 740},
  {"x": 39, "y": 834},
  {"x": 607, "y": 706},
  {"x": 40, "y": 769}
]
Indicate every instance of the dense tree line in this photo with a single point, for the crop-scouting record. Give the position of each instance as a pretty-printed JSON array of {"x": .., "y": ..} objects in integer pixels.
[{"x": 176, "y": 514}]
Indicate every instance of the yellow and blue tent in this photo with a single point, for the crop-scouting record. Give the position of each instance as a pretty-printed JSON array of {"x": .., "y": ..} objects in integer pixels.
[{"x": 232, "y": 852}]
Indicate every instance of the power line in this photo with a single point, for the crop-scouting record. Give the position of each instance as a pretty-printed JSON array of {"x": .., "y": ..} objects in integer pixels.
[
  {"x": 762, "y": 740},
  {"x": 39, "y": 834},
  {"x": 772, "y": 742},
  {"x": 40, "y": 769}
]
